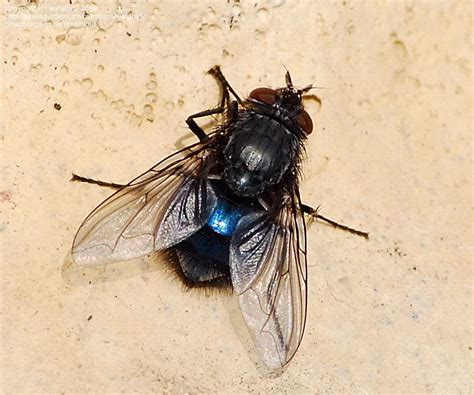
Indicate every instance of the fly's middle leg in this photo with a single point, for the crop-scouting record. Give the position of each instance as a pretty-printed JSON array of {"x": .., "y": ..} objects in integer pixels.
[{"x": 313, "y": 212}]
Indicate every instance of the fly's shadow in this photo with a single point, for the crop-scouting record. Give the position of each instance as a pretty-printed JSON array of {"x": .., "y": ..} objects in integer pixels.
[{"x": 73, "y": 274}]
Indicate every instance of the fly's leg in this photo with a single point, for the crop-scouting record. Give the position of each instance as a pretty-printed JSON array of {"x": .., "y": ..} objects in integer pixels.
[
  {"x": 100, "y": 183},
  {"x": 217, "y": 74},
  {"x": 224, "y": 104},
  {"x": 314, "y": 214}
]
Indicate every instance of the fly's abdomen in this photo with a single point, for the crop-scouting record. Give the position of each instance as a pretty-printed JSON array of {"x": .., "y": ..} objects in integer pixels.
[
  {"x": 224, "y": 218},
  {"x": 203, "y": 258}
]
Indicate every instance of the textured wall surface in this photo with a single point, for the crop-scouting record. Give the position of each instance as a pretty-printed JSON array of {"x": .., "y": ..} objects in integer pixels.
[{"x": 104, "y": 90}]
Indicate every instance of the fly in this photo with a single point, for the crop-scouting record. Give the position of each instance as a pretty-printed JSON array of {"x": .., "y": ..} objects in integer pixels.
[{"x": 226, "y": 211}]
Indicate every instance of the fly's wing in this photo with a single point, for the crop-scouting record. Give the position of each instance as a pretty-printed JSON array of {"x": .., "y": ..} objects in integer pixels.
[
  {"x": 268, "y": 270},
  {"x": 158, "y": 209}
]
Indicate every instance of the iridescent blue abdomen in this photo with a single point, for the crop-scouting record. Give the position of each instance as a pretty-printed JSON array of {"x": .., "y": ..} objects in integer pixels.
[{"x": 224, "y": 218}]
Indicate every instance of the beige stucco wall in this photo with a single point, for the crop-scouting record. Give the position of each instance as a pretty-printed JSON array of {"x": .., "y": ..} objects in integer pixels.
[{"x": 391, "y": 154}]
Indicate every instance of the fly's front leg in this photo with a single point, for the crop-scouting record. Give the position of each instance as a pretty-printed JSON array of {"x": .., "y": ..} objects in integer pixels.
[
  {"x": 225, "y": 86},
  {"x": 224, "y": 104},
  {"x": 314, "y": 213}
]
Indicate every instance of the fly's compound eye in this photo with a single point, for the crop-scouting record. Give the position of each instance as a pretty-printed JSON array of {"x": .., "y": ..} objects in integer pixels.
[
  {"x": 305, "y": 122},
  {"x": 264, "y": 95}
]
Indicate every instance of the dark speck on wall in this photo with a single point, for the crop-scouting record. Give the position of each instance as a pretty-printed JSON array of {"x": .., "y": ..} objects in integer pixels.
[{"x": 57, "y": 106}]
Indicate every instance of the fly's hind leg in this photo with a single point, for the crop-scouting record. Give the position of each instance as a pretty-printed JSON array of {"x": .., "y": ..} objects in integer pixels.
[
  {"x": 100, "y": 183},
  {"x": 225, "y": 104},
  {"x": 314, "y": 214}
]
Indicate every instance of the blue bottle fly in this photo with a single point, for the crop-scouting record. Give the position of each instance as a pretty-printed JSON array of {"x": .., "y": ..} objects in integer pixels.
[{"x": 226, "y": 211}]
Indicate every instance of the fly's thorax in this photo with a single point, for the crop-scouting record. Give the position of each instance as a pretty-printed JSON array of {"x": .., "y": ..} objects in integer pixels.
[{"x": 259, "y": 152}]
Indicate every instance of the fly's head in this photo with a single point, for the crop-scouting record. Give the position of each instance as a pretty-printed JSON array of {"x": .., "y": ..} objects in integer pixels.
[{"x": 284, "y": 104}]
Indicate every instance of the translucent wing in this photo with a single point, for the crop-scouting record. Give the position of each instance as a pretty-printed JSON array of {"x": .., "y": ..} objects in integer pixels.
[
  {"x": 156, "y": 210},
  {"x": 268, "y": 269}
]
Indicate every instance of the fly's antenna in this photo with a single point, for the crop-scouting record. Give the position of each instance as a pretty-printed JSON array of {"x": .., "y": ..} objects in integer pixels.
[
  {"x": 305, "y": 89},
  {"x": 289, "y": 83}
]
